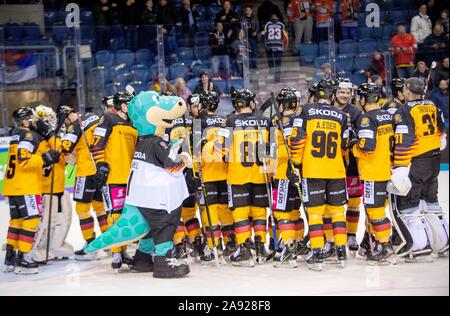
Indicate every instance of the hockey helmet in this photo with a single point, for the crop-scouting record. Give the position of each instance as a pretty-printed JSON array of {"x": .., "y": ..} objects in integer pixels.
[
  {"x": 312, "y": 91},
  {"x": 326, "y": 89},
  {"x": 244, "y": 97},
  {"x": 370, "y": 92},
  {"x": 343, "y": 83},
  {"x": 46, "y": 114},
  {"x": 288, "y": 97},
  {"x": 210, "y": 101},
  {"x": 121, "y": 98},
  {"x": 108, "y": 102},
  {"x": 397, "y": 85},
  {"x": 21, "y": 114}
]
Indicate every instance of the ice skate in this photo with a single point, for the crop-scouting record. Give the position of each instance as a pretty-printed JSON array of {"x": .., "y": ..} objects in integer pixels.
[
  {"x": 230, "y": 248},
  {"x": 208, "y": 258},
  {"x": 315, "y": 260},
  {"x": 121, "y": 262},
  {"x": 262, "y": 256},
  {"x": 443, "y": 253},
  {"x": 341, "y": 255},
  {"x": 25, "y": 265},
  {"x": 352, "y": 245},
  {"x": 81, "y": 255},
  {"x": 169, "y": 268},
  {"x": 329, "y": 251},
  {"x": 384, "y": 255},
  {"x": 423, "y": 256},
  {"x": 197, "y": 248},
  {"x": 302, "y": 250},
  {"x": 142, "y": 263},
  {"x": 286, "y": 258},
  {"x": 243, "y": 256},
  {"x": 180, "y": 253},
  {"x": 10, "y": 259}
]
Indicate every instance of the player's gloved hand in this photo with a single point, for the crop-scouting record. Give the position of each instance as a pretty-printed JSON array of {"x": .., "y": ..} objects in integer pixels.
[
  {"x": 443, "y": 142},
  {"x": 293, "y": 174},
  {"x": 400, "y": 183},
  {"x": 102, "y": 173},
  {"x": 44, "y": 129},
  {"x": 51, "y": 157},
  {"x": 63, "y": 113},
  {"x": 353, "y": 142},
  {"x": 187, "y": 160}
]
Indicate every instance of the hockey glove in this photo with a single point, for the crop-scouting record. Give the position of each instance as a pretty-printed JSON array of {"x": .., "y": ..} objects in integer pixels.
[
  {"x": 293, "y": 175},
  {"x": 400, "y": 183},
  {"x": 443, "y": 142},
  {"x": 44, "y": 129},
  {"x": 51, "y": 157},
  {"x": 102, "y": 173}
]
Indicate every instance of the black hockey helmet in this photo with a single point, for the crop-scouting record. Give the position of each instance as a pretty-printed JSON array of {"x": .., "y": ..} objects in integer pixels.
[
  {"x": 108, "y": 102},
  {"x": 193, "y": 99},
  {"x": 210, "y": 101},
  {"x": 370, "y": 92},
  {"x": 21, "y": 114},
  {"x": 120, "y": 98},
  {"x": 326, "y": 89},
  {"x": 244, "y": 97},
  {"x": 288, "y": 98},
  {"x": 397, "y": 85},
  {"x": 343, "y": 83}
]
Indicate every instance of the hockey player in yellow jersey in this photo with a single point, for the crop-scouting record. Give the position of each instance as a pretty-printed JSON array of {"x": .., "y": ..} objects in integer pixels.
[
  {"x": 286, "y": 190},
  {"x": 398, "y": 99},
  {"x": 420, "y": 135},
  {"x": 318, "y": 143},
  {"x": 214, "y": 171},
  {"x": 189, "y": 225},
  {"x": 60, "y": 211},
  {"x": 373, "y": 149},
  {"x": 245, "y": 138},
  {"x": 23, "y": 185},
  {"x": 344, "y": 92},
  {"x": 87, "y": 193},
  {"x": 114, "y": 144}
]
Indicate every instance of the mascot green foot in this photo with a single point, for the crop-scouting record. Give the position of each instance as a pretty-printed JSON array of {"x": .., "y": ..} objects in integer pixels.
[{"x": 130, "y": 227}]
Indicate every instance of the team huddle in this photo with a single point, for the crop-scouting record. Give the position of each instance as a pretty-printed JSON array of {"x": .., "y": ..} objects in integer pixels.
[{"x": 248, "y": 176}]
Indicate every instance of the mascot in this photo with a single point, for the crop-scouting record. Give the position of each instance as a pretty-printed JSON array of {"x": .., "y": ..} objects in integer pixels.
[{"x": 156, "y": 189}]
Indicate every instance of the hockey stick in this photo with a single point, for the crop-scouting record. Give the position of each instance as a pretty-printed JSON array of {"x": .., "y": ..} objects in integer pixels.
[
  {"x": 268, "y": 185},
  {"x": 427, "y": 83},
  {"x": 204, "y": 193},
  {"x": 52, "y": 189}
]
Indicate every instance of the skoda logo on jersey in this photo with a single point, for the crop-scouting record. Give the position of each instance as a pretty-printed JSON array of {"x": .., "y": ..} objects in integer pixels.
[
  {"x": 90, "y": 120},
  {"x": 178, "y": 121},
  {"x": 325, "y": 112},
  {"x": 384, "y": 117},
  {"x": 215, "y": 121},
  {"x": 251, "y": 123},
  {"x": 139, "y": 155}
]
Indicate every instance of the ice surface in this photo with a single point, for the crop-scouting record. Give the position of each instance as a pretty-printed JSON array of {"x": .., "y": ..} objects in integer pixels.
[{"x": 96, "y": 278}]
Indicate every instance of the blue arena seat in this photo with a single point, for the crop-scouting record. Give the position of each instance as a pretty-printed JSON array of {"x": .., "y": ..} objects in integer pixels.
[
  {"x": 145, "y": 56},
  {"x": 308, "y": 52},
  {"x": 324, "y": 49},
  {"x": 140, "y": 73},
  {"x": 344, "y": 63},
  {"x": 319, "y": 61},
  {"x": 362, "y": 62},
  {"x": 125, "y": 56},
  {"x": 178, "y": 70},
  {"x": 359, "y": 78},
  {"x": 104, "y": 58},
  {"x": 348, "y": 47},
  {"x": 185, "y": 55},
  {"x": 221, "y": 85},
  {"x": 367, "y": 46},
  {"x": 236, "y": 83},
  {"x": 87, "y": 18}
]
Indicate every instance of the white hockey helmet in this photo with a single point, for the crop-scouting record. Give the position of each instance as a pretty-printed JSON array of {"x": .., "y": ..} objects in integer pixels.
[{"x": 47, "y": 114}]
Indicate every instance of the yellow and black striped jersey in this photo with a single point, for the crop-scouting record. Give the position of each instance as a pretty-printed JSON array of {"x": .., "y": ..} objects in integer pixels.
[
  {"x": 74, "y": 142},
  {"x": 282, "y": 158},
  {"x": 60, "y": 169},
  {"x": 247, "y": 144},
  {"x": 321, "y": 132},
  {"x": 374, "y": 150},
  {"x": 24, "y": 168},
  {"x": 418, "y": 127},
  {"x": 214, "y": 168},
  {"x": 354, "y": 113},
  {"x": 115, "y": 143}
]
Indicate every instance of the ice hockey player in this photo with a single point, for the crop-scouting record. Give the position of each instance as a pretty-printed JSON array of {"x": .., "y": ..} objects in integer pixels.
[
  {"x": 373, "y": 149},
  {"x": 398, "y": 98},
  {"x": 157, "y": 189},
  {"x": 342, "y": 101},
  {"x": 87, "y": 192},
  {"x": 190, "y": 224},
  {"x": 23, "y": 188},
  {"x": 312, "y": 93},
  {"x": 114, "y": 144},
  {"x": 286, "y": 184},
  {"x": 245, "y": 137},
  {"x": 61, "y": 210},
  {"x": 214, "y": 171},
  {"x": 320, "y": 136},
  {"x": 108, "y": 104},
  {"x": 418, "y": 217}
]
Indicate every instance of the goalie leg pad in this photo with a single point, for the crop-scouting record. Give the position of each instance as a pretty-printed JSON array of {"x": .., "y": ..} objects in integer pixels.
[{"x": 438, "y": 227}]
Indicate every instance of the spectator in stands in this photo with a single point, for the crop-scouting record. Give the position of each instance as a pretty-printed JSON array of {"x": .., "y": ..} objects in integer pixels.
[
  {"x": 442, "y": 73},
  {"x": 219, "y": 42},
  {"x": 349, "y": 19},
  {"x": 188, "y": 16},
  {"x": 422, "y": 71},
  {"x": 205, "y": 85},
  {"x": 276, "y": 40},
  {"x": 227, "y": 17},
  {"x": 239, "y": 50},
  {"x": 440, "y": 97},
  {"x": 421, "y": 25},
  {"x": 377, "y": 66},
  {"x": 404, "y": 46},
  {"x": 252, "y": 30},
  {"x": 166, "y": 15},
  {"x": 149, "y": 16},
  {"x": 103, "y": 11},
  {"x": 436, "y": 45},
  {"x": 181, "y": 89},
  {"x": 266, "y": 10},
  {"x": 326, "y": 71},
  {"x": 129, "y": 12},
  {"x": 300, "y": 13},
  {"x": 443, "y": 21},
  {"x": 324, "y": 11}
]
